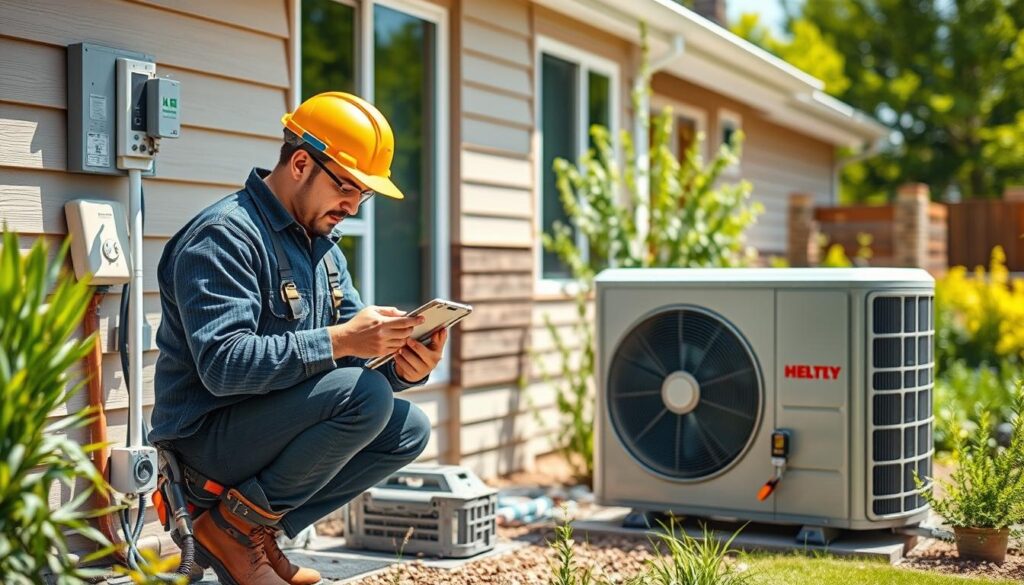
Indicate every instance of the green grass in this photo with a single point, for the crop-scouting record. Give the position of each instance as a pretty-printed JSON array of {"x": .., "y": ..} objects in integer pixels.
[{"x": 797, "y": 570}]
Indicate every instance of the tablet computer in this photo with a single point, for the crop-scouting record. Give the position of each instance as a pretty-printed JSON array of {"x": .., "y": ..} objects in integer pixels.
[{"x": 439, "y": 314}]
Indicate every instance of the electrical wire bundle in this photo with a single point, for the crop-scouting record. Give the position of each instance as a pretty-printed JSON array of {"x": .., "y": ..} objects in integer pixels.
[{"x": 132, "y": 529}]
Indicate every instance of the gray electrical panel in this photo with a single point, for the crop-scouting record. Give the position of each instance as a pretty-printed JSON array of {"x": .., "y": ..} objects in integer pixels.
[{"x": 92, "y": 107}]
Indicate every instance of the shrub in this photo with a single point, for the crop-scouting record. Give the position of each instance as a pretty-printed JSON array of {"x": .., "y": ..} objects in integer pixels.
[
  {"x": 962, "y": 393},
  {"x": 986, "y": 490},
  {"x": 979, "y": 320},
  {"x": 36, "y": 352}
]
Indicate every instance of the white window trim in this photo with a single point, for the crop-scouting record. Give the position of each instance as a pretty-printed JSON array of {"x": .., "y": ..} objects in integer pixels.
[
  {"x": 679, "y": 108},
  {"x": 727, "y": 115},
  {"x": 364, "y": 227},
  {"x": 585, "y": 62}
]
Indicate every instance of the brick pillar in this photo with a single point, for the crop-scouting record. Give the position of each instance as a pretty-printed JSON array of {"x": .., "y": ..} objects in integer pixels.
[
  {"x": 1014, "y": 193},
  {"x": 802, "y": 244},
  {"x": 910, "y": 225}
]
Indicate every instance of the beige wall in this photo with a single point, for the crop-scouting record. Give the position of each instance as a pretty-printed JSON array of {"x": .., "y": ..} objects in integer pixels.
[
  {"x": 776, "y": 160},
  {"x": 506, "y": 410}
]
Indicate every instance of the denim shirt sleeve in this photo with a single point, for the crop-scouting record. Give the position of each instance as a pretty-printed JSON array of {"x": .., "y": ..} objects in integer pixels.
[
  {"x": 351, "y": 305},
  {"x": 218, "y": 296}
]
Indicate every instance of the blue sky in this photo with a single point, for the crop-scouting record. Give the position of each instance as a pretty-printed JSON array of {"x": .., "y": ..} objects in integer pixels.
[{"x": 770, "y": 10}]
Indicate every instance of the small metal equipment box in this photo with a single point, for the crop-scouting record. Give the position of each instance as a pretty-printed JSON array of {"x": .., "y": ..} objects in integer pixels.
[{"x": 445, "y": 510}]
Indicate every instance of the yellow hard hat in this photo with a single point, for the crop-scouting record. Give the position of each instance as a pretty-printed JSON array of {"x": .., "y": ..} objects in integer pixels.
[{"x": 352, "y": 133}]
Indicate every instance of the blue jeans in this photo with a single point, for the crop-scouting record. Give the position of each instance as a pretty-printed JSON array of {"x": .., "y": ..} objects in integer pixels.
[{"x": 307, "y": 450}]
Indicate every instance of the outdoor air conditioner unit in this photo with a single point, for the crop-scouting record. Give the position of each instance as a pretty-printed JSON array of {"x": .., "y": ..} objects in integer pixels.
[{"x": 698, "y": 367}]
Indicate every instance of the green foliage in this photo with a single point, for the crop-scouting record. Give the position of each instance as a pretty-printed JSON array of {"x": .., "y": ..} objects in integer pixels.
[
  {"x": 946, "y": 78},
  {"x": 986, "y": 490},
  {"x": 36, "y": 352},
  {"x": 685, "y": 559},
  {"x": 807, "y": 48},
  {"x": 801, "y": 570},
  {"x": 564, "y": 568},
  {"x": 835, "y": 254},
  {"x": 679, "y": 559},
  {"x": 155, "y": 571},
  {"x": 963, "y": 393},
  {"x": 979, "y": 317},
  {"x": 575, "y": 434},
  {"x": 689, "y": 218}
]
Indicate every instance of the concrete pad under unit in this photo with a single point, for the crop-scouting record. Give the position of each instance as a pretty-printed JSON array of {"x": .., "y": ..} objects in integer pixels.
[{"x": 877, "y": 544}]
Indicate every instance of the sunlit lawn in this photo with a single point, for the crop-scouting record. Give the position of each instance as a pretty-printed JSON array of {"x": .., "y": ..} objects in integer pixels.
[{"x": 798, "y": 570}]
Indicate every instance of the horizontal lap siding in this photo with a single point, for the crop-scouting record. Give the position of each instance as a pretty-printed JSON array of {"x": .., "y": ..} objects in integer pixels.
[
  {"x": 493, "y": 257},
  {"x": 507, "y": 412},
  {"x": 232, "y": 61}
]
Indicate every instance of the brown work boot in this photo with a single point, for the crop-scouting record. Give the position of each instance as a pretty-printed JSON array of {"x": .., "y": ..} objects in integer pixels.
[
  {"x": 293, "y": 574},
  {"x": 234, "y": 546}
]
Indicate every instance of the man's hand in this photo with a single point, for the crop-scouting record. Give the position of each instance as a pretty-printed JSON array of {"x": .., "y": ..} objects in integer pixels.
[
  {"x": 414, "y": 361},
  {"x": 372, "y": 332}
]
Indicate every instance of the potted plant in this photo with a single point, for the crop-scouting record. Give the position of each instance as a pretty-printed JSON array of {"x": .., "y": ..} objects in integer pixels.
[{"x": 984, "y": 497}]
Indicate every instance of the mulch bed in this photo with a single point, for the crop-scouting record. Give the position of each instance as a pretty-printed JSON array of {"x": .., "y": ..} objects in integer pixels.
[{"x": 940, "y": 556}]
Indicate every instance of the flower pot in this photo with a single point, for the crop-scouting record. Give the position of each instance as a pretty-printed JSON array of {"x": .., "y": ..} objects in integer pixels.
[{"x": 984, "y": 544}]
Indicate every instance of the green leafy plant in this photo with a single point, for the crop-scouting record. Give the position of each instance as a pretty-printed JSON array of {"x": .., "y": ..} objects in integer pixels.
[
  {"x": 564, "y": 568},
  {"x": 154, "y": 570},
  {"x": 963, "y": 393},
  {"x": 40, "y": 309},
  {"x": 986, "y": 490},
  {"x": 693, "y": 561},
  {"x": 689, "y": 218},
  {"x": 835, "y": 254}
]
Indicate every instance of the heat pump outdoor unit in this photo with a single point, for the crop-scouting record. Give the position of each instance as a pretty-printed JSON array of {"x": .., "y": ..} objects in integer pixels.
[{"x": 711, "y": 381}]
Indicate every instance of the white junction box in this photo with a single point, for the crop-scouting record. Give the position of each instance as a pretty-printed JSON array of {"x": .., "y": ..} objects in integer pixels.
[{"x": 99, "y": 240}]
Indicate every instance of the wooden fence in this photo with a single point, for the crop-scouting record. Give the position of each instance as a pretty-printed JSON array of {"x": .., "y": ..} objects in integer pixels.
[
  {"x": 912, "y": 231},
  {"x": 975, "y": 227}
]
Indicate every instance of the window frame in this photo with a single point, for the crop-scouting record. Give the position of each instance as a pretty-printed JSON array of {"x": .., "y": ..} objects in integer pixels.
[
  {"x": 686, "y": 110},
  {"x": 725, "y": 115},
  {"x": 364, "y": 227},
  {"x": 585, "y": 62}
]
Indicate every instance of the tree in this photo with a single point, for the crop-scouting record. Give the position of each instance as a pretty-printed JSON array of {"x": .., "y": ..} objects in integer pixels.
[{"x": 946, "y": 77}]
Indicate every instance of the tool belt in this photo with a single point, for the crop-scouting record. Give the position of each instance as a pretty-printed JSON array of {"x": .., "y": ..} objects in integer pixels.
[{"x": 201, "y": 493}]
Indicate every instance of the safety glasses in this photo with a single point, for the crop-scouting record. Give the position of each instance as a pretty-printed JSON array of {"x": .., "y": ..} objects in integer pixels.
[{"x": 345, "y": 185}]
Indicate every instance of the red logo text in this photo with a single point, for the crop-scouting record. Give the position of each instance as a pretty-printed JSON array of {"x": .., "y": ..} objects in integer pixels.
[{"x": 807, "y": 372}]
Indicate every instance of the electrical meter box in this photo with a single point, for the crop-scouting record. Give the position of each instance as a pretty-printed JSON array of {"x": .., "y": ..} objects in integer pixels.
[
  {"x": 92, "y": 107},
  {"x": 99, "y": 240}
]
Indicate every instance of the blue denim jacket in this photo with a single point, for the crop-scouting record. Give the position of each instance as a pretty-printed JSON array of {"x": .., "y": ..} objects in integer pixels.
[{"x": 225, "y": 334}]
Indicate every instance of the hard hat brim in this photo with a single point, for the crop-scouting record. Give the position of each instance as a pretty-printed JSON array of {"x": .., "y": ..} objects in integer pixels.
[{"x": 380, "y": 185}]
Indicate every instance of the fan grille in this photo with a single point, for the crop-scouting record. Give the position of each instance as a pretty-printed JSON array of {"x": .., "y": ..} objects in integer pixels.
[{"x": 706, "y": 440}]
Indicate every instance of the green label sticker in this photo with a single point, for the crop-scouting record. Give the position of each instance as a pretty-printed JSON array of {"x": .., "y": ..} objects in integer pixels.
[{"x": 169, "y": 107}]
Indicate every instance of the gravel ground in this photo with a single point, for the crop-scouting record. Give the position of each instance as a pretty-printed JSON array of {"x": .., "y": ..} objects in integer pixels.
[
  {"x": 619, "y": 557},
  {"x": 615, "y": 557}
]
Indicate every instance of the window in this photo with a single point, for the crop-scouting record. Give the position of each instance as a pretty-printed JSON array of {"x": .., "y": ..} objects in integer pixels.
[
  {"x": 728, "y": 123},
  {"x": 688, "y": 122},
  {"x": 393, "y": 53},
  {"x": 390, "y": 52},
  {"x": 576, "y": 90}
]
